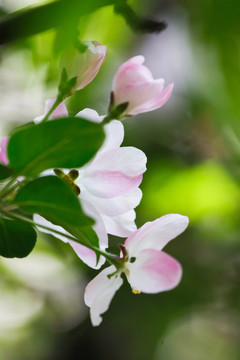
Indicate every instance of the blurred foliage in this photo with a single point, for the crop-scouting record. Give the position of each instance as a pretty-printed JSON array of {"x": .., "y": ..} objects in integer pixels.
[
  {"x": 193, "y": 147},
  {"x": 194, "y": 191}
]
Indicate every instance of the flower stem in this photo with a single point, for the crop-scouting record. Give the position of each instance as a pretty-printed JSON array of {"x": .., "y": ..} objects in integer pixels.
[
  {"x": 112, "y": 259},
  {"x": 7, "y": 189},
  {"x": 58, "y": 101}
]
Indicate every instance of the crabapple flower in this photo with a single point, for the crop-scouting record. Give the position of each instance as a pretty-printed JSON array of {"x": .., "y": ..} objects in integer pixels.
[
  {"x": 109, "y": 188},
  {"x": 148, "y": 269},
  {"x": 110, "y": 182},
  {"x": 59, "y": 112},
  {"x": 83, "y": 65},
  {"x": 3, "y": 151},
  {"x": 134, "y": 84}
]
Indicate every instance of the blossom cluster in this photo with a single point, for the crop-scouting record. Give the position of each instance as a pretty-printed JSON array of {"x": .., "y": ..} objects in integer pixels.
[{"x": 107, "y": 186}]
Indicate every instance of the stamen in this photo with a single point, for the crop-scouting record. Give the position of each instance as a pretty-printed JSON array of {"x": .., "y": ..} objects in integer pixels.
[{"x": 136, "y": 292}]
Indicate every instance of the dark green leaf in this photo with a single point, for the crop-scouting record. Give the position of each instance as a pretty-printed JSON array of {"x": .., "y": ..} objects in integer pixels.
[
  {"x": 5, "y": 172},
  {"x": 17, "y": 239},
  {"x": 62, "y": 143},
  {"x": 53, "y": 199}
]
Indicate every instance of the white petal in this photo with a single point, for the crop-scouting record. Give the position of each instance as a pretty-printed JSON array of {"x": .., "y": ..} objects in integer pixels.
[
  {"x": 41, "y": 220},
  {"x": 99, "y": 293},
  {"x": 156, "y": 234},
  {"x": 114, "y": 206},
  {"x": 87, "y": 255},
  {"x": 60, "y": 111},
  {"x": 129, "y": 160},
  {"x": 114, "y": 131},
  {"x": 90, "y": 114},
  {"x": 114, "y": 135},
  {"x": 122, "y": 225},
  {"x": 99, "y": 226},
  {"x": 154, "y": 271},
  {"x": 108, "y": 184}
]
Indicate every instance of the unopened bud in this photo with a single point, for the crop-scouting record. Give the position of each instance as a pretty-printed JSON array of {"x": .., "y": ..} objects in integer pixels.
[{"x": 82, "y": 63}]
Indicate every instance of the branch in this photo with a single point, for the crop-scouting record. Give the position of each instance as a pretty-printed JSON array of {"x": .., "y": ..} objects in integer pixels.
[
  {"x": 136, "y": 22},
  {"x": 65, "y": 14},
  {"x": 53, "y": 15}
]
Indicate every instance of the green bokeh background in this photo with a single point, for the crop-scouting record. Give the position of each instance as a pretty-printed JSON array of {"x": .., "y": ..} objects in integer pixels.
[{"x": 193, "y": 150}]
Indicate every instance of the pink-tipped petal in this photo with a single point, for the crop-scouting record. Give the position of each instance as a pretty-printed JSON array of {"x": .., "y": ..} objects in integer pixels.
[
  {"x": 154, "y": 271},
  {"x": 134, "y": 83},
  {"x": 3, "y": 151},
  {"x": 155, "y": 103},
  {"x": 131, "y": 72},
  {"x": 129, "y": 160},
  {"x": 90, "y": 66},
  {"x": 139, "y": 95},
  {"x": 111, "y": 183},
  {"x": 83, "y": 65},
  {"x": 156, "y": 234},
  {"x": 99, "y": 293},
  {"x": 59, "y": 112},
  {"x": 87, "y": 255}
]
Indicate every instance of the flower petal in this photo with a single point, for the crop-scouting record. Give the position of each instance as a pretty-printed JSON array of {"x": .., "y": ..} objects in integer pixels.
[
  {"x": 90, "y": 114},
  {"x": 87, "y": 255},
  {"x": 114, "y": 130},
  {"x": 129, "y": 160},
  {"x": 60, "y": 111},
  {"x": 154, "y": 271},
  {"x": 139, "y": 94},
  {"x": 85, "y": 65},
  {"x": 156, "y": 102},
  {"x": 99, "y": 226},
  {"x": 114, "y": 135},
  {"x": 122, "y": 225},
  {"x": 132, "y": 71},
  {"x": 42, "y": 221},
  {"x": 90, "y": 65},
  {"x": 114, "y": 206},
  {"x": 3, "y": 151},
  {"x": 134, "y": 83},
  {"x": 108, "y": 184},
  {"x": 99, "y": 293},
  {"x": 156, "y": 234}
]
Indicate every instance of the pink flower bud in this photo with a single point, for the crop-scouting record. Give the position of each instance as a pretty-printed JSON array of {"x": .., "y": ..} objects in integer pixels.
[
  {"x": 83, "y": 65},
  {"x": 3, "y": 151},
  {"x": 134, "y": 83}
]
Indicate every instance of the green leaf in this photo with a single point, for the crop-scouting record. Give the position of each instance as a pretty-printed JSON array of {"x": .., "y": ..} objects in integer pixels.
[
  {"x": 85, "y": 234},
  {"x": 53, "y": 199},
  {"x": 17, "y": 239},
  {"x": 62, "y": 143},
  {"x": 5, "y": 172},
  {"x": 35, "y": 20}
]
